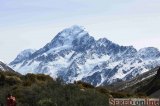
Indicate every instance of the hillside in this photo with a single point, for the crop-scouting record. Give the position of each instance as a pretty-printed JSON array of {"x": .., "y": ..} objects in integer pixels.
[
  {"x": 42, "y": 90},
  {"x": 152, "y": 86},
  {"x": 146, "y": 84},
  {"x": 118, "y": 86}
]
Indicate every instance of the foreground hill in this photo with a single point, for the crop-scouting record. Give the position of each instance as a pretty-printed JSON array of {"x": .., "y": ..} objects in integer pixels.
[
  {"x": 42, "y": 90},
  {"x": 73, "y": 54}
]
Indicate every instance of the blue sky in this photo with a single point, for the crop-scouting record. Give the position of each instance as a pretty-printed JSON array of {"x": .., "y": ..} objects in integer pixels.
[{"x": 33, "y": 23}]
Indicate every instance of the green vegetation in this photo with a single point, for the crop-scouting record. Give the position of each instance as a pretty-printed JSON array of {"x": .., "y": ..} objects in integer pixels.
[{"x": 42, "y": 90}]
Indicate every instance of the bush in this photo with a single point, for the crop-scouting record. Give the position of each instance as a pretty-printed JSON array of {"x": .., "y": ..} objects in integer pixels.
[
  {"x": 45, "y": 102},
  {"x": 102, "y": 90},
  {"x": 84, "y": 85},
  {"x": 13, "y": 80}
]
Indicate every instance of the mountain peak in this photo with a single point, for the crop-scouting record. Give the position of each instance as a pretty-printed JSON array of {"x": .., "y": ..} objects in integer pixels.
[
  {"x": 77, "y": 27},
  {"x": 68, "y": 36},
  {"x": 71, "y": 31},
  {"x": 148, "y": 49},
  {"x": 148, "y": 52},
  {"x": 103, "y": 40},
  {"x": 23, "y": 55}
]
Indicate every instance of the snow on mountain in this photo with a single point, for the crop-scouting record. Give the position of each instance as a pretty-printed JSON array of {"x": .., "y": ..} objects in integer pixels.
[
  {"x": 22, "y": 56},
  {"x": 149, "y": 52},
  {"x": 75, "y": 55}
]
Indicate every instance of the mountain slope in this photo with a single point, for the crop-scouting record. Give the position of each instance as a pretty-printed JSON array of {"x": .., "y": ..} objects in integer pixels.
[
  {"x": 135, "y": 83},
  {"x": 42, "y": 90},
  {"x": 4, "y": 67},
  {"x": 146, "y": 84},
  {"x": 75, "y": 55},
  {"x": 152, "y": 86}
]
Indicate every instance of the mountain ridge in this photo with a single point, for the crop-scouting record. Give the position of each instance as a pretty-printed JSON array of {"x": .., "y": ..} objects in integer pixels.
[
  {"x": 75, "y": 55},
  {"x": 4, "y": 67}
]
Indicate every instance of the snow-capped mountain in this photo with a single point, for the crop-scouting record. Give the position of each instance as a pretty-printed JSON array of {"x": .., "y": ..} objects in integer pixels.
[{"x": 75, "y": 55}]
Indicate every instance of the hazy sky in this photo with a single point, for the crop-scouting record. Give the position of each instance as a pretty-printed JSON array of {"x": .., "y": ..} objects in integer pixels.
[{"x": 33, "y": 23}]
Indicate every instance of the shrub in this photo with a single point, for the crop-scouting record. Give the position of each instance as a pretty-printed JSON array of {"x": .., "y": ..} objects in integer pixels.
[
  {"x": 13, "y": 80},
  {"x": 45, "y": 102},
  {"x": 84, "y": 84},
  {"x": 102, "y": 90}
]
